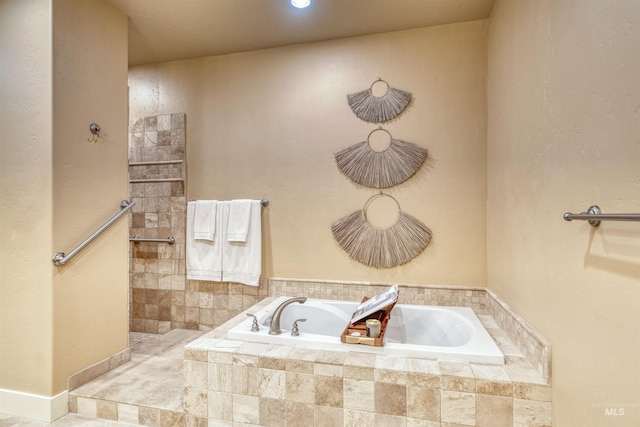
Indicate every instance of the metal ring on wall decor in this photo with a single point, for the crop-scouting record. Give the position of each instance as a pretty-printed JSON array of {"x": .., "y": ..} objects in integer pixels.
[
  {"x": 379, "y": 129},
  {"x": 379, "y": 81},
  {"x": 381, "y": 248},
  {"x": 378, "y": 109},
  {"x": 374, "y": 197}
]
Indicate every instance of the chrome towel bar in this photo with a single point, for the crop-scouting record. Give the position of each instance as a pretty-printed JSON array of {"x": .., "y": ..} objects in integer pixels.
[
  {"x": 263, "y": 202},
  {"x": 61, "y": 258},
  {"x": 170, "y": 240},
  {"x": 594, "y": 215}
]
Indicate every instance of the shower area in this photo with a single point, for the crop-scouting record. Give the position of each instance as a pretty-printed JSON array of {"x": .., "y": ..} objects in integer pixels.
[{"x": 161, "y": 298}]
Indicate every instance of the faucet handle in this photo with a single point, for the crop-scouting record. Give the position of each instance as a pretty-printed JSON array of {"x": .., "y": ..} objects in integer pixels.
[
  {"x": 254, "y": 325},
  {"x": 294, "y": 329}
]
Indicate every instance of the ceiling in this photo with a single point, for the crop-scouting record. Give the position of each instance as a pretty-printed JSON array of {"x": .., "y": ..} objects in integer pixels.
[{"x": 167, "y": 30}]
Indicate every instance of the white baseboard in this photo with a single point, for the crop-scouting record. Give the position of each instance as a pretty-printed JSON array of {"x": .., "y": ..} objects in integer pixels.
[{"x": 34, "y": 406}]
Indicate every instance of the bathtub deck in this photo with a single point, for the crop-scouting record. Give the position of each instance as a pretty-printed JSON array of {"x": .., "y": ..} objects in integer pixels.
[{"x": 354, "y": 388}]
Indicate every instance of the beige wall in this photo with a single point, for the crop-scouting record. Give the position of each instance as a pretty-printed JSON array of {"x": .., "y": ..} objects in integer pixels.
[
  {"x": 563, "y": 96},
  {"x": 90, "y": 179},
  {"x": 266, "y": 124},
  {"x": 25, "y": 190},
  {"x": 57, "y": 188}
]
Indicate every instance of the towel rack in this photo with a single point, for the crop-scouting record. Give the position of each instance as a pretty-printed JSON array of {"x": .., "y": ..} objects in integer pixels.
[
  {"x": 264, "y": 202},
  {"x": 60, "y": 258},
  {"x": 594, "y": 215},
  {"x": 170, "y": 240}
]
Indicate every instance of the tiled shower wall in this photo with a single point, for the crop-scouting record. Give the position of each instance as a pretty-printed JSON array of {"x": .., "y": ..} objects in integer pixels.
[
  {"x": 161, "y": 297},
  {"x": 157, "y": 185}
]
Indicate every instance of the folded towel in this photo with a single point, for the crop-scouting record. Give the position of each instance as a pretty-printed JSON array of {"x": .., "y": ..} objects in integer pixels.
[
  {"x": 203, "y": 257},
  {"x": 242, "y": 261},
  {"x": 239, "y": 219},
  {"x": 204, "y": 222}
]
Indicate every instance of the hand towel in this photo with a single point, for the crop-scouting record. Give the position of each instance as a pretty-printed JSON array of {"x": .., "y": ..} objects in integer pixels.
[
  {"x": 203, "y": 257},
  {"x": 204, "y": 222},
  {"x": 239, "y": 218},
  {"x": 242, "y": 261}
]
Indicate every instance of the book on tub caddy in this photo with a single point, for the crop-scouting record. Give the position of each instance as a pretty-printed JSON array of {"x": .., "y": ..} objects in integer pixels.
[{"x": 379, "y": 308}]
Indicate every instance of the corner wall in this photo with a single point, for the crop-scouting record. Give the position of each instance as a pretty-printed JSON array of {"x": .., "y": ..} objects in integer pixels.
[
  {"x": 64, "y": 66},
  {"x": 563, "y": 97},
  {"x": 26, "y": 216},
  {"x": 266, "y": 124},
  {"x": 90, "y": 180}
]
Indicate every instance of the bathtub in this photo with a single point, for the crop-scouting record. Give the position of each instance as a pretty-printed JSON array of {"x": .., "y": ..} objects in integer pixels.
[{"x": 448, "y": 333}]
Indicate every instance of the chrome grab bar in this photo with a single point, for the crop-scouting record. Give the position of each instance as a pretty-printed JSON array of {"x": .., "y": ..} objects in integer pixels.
[
  {"x": 170, "y": 240},
  {"x": 60, "y": 258},
  {"x": 594, "y": 215}
]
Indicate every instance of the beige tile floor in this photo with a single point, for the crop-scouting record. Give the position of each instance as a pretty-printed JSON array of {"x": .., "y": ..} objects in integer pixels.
[
  {"x": 152, "y": 378},
  {"x": 69, "y": 420}
]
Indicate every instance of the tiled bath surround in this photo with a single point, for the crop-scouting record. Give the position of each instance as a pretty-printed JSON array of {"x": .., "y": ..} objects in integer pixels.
[
  {"x": 482, "y": 300},
  {"x": 241, "y": 383}
]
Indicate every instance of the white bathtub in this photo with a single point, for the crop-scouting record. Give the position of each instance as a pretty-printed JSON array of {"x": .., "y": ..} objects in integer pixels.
[{"x": 453, "y": 333}]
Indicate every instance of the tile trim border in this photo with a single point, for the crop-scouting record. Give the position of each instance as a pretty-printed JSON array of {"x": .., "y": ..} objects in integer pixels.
[
  {"x": 97, "y": 369},
  {"x": 535, "y": 347}
]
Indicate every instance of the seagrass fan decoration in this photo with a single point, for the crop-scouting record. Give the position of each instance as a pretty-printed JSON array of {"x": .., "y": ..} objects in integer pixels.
[
  {"x": 378, "y": 109},
  {"x": 381, "y": 248},
  {"x": 380, "y": 169}
]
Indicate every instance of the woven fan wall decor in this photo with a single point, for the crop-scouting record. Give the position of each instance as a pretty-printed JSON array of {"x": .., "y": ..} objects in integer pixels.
[
  {"x": 378, "y": 109},
  {"x": 380, "y": 169},
  {"x": 381, "y": 248}
]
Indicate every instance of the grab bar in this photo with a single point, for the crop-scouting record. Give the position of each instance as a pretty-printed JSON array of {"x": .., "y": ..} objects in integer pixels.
[
  {"x": 170, "y": 240},
  {"x": 60, "y": 258},
  {"x": 594, "y": 215}
]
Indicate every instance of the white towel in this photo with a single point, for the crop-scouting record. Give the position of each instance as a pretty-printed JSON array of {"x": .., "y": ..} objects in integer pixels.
[
  {"x": 239, "y": 218},
  {"x": 204, "y": 222},
  {"x": 242, "y": 261},
  {"x": 203, "y": 257}
]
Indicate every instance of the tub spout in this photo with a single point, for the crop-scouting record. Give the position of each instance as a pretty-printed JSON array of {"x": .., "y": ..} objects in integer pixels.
[{"x": 274, "y": 328}]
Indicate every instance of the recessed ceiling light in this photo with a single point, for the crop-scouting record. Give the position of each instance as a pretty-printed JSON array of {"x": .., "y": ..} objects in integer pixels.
[{"x": 300, "y": 4}]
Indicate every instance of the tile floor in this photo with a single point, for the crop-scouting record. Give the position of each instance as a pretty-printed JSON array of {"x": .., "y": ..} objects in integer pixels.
[
  {"x": 69, "y": 420},
  {"x": 151, "y": 379}
]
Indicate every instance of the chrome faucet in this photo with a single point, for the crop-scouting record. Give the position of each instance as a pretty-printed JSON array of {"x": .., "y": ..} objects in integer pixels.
[{"x": 274, "y": 327}]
